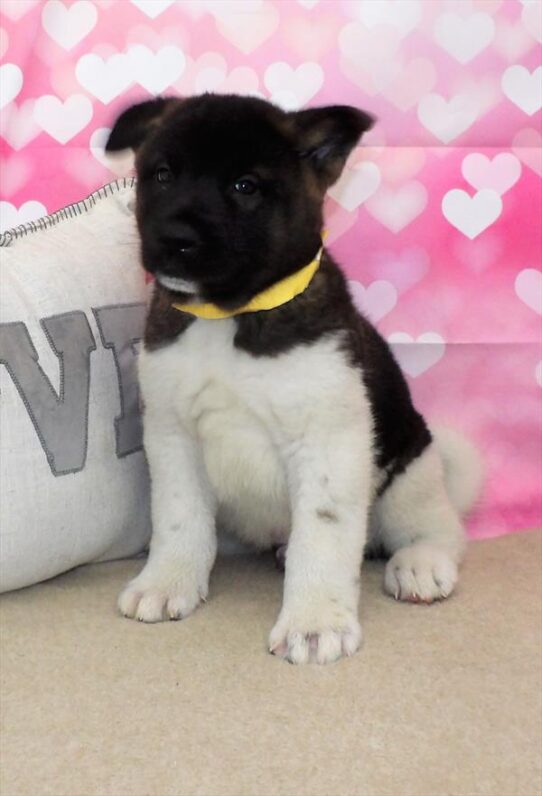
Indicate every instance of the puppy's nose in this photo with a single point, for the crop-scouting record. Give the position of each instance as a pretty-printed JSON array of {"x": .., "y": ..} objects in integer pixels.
[{"x": 182, "y": 238}]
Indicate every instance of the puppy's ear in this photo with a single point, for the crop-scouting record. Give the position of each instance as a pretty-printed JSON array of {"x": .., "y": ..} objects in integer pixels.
[
  {"x": 326, "y": 137},
  {"x": 132, "y": 126}
]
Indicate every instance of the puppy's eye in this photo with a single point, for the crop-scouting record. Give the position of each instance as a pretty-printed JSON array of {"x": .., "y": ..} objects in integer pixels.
[
  {"x": 163, "y": 175},
  {"x": 246, "y": 185}
]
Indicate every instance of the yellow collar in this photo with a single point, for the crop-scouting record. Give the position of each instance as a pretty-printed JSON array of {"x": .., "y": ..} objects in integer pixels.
[{"x": 274, "y": 296}]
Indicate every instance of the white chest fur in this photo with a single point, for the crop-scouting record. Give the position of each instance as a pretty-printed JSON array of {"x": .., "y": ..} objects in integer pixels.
[{"x": 248, "y": 414}]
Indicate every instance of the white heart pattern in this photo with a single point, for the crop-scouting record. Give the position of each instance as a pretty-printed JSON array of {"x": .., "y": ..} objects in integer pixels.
[
  {"x": 104, "y": 79},
  {"x": 499, "y": 174},
  {"x": 374, "y": 301},
  {"x": 404, "y": 16},
  {"x": 356, "y": 185},
  {"x": 471, "y": 215},
  {"x": 11, "y": 216},
  {"x": 523, "y": 88},
  {"x": 416, "y": 356},
  {"x": 447, "y": 120},
  {"x": 17, "y": 124},
  {"x": 396, "y": 208},
  {"x": 67, "y": 26},
  {"x": 155, "y": 71},
  {"x": 292, "y": 88},
  {"x": 63, "y": 120},
  {"x": 528, "y": 286},
  {"x": 152, "y": 8},
  {"x": 464, "y": 37},
  {"x": 11, "y": 83}
]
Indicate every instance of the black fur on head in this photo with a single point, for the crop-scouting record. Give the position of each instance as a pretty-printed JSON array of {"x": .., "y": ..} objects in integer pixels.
[{"x": 230, "y": 189}]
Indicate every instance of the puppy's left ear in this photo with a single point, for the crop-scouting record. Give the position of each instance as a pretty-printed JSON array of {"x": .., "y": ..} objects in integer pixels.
[
  {"x": 326, "y": 136},
  {"x": 133, "y": 125}
]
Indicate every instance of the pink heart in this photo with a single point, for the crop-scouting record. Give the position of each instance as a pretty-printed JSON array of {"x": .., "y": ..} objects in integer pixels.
[
  {"x": 84, "y": 168},
  {"x": 17, "y": 125},
  {"x": 398, "y": 164},
  {"x": 311, "y": 38},
  {"x": 532, "y": 19},
  {"x": 396, "y": 208},
  {"x": 367, "y": 56},
  {"x": 412, "y": 82},
  {"x": 241, "y": 80},
  {"x": 404, "y": 269},
  {"x": 338, "y": 221},
  {"x": 499, "y": 174},
  {"x": 528, "y": 286},
  {"x": 527, "y": 145},
  {"x": 4, "y": 42},
  {"x": 417, "y": 355},
  {"x": 15, "y": 172},
  {"x": 374, "y": 301},
  {"x": 479, "y": 254},
  {"x": 15, "y": 9},
  {"x": 248, "y": 31}
]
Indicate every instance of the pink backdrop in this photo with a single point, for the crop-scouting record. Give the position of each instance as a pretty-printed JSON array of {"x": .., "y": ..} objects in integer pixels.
[{"x": 437, "y": 219}]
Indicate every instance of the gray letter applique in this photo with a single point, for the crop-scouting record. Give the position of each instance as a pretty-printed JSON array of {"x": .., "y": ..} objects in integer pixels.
[
  {"x": 121, "y": 326},
  {"x": 60, "y": 419}
]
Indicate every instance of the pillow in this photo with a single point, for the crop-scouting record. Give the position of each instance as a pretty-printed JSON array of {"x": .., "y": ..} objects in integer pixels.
[{"x": 73, "y": 477}]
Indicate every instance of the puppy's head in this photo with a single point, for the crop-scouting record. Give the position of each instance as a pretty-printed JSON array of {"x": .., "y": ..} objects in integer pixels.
[{"x": 230, "y": 189}]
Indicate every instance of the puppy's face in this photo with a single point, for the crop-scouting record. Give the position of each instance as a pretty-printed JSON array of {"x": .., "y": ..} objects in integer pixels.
[{"x": 230, "y": 189}]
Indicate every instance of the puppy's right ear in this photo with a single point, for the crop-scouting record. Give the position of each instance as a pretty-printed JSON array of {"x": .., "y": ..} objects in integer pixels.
[{"x": 132, "y": 126}]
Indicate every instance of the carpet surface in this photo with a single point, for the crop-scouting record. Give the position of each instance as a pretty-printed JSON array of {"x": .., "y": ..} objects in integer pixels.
[{"x": 441, "y": 701}]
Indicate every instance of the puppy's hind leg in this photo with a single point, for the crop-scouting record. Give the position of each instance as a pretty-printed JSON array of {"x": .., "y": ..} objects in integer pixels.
[{"x": 421, "y": 530}]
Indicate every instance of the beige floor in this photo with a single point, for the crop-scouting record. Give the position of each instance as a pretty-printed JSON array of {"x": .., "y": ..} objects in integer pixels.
[{"x": 442, "y": 701}]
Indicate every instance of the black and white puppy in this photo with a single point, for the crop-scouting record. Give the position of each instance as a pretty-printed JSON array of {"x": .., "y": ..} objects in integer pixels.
[{"x": 292, "y": 424}]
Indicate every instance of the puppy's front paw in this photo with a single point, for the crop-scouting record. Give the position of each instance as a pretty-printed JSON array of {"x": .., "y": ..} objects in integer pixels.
[
  {"x": 327, "y": 636},
  {"x": 421, "y": 573},
  {"x": 155, "y": 596}
]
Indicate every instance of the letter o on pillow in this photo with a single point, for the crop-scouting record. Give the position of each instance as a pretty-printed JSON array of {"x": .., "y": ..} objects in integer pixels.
[{"x": 73, "y": 478}]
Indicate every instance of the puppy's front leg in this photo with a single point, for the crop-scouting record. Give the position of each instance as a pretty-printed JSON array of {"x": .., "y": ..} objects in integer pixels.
[
  {"x": 329, "y": 469},
  {"x": 183, "y": 545}
]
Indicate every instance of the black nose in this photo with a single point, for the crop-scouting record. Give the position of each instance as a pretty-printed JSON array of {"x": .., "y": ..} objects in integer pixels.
[{"x": 181, "y": 238}]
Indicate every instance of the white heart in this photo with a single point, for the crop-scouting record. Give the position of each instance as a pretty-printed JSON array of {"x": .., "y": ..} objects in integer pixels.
[
  {"x": 523, "y": 88},
  {"x": 310, "y": 4},
  {"x": 107, "y": 79},
  {"x": 292, "y": 88},
  {"x": 155, "y": 71},
  {"x": 152, "y": 8},
  {"x": 356, "y": 185},
  {"x": 11, "y": 217},
  {"x": 464, "y": 37},
  {"x": 17, "y": 125},
  {"x": 120, "y": 163},
  {"x": 396, "y": 208},
  {"x": 376, "y": 300},
  {"x": 499, "y": 174},
  {"x": 11, "y": 83},
  {"x": 404, "y": 15},
  {"x": 471, "y": 215},
  {"x": 447, "y": 120},
  {"x": 417, "y": 355},
  {"x": 528, "y": 286},
  {"x": 63, "y": 120},
  {"x": 68, "y": 26}
]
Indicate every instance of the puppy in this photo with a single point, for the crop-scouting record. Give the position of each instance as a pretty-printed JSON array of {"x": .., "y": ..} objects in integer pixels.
[{"x": 273, "y": 409}]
